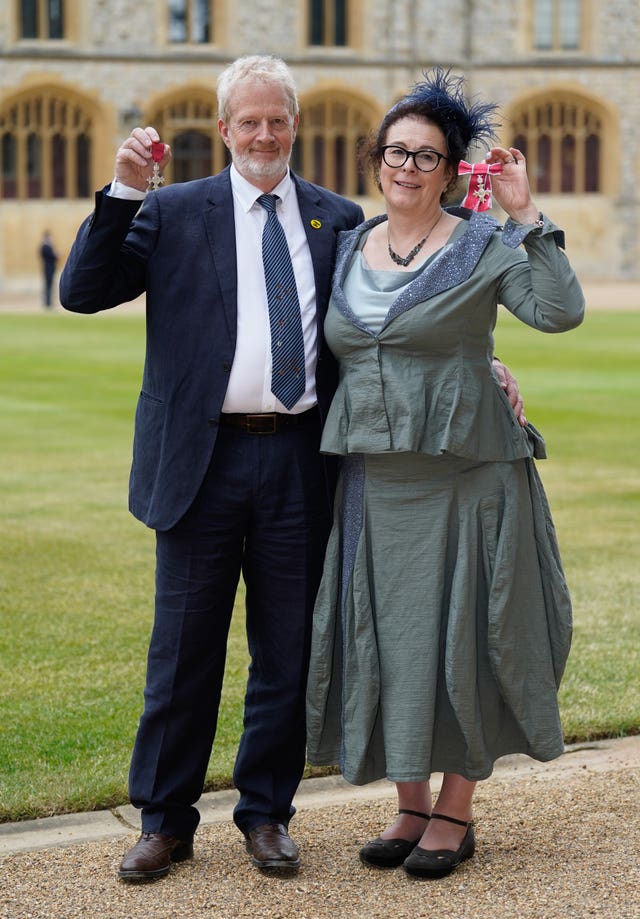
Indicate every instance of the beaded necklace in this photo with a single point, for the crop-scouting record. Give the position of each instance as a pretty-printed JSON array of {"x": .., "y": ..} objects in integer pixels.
[{"x": 398, "y": 259}]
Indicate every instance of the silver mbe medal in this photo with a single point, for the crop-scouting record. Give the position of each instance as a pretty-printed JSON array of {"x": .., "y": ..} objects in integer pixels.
[{"x": 155, "y": 180}]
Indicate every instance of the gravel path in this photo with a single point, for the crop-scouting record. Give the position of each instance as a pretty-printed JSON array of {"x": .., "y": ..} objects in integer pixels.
[{"x": 558, "y": 841}]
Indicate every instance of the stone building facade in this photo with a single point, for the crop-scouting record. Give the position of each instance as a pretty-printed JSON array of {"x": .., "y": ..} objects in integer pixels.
[{"x": 76, "y": 75}]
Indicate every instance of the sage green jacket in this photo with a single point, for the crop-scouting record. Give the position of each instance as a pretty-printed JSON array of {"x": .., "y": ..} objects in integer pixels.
[{"x": 424, "y": 381}]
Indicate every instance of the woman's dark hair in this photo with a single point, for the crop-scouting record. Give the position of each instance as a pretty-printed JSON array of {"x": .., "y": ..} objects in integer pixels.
[{"x": 440, "y": 99}]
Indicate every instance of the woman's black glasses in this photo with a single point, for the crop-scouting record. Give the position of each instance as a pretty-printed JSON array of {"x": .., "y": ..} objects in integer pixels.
[{"x": 425, "y": 160}]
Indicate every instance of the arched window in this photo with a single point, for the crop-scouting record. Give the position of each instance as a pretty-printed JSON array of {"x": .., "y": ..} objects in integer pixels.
[
  {"x": 326, "y": 151},
  {"x": 46, "y": 146},
  {"x": 42, "y": 19},
  {"x": 328, "y": 23},
  {"x": 189, "y": 125},
  {"x": 562, "y": 142}
]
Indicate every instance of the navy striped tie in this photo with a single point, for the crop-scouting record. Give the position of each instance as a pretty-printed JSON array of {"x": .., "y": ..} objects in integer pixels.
[{"x": 287, "y": 342}]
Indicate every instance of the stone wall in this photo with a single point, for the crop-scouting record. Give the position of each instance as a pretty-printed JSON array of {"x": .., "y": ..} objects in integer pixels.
[{"x": 118, "y": 58}]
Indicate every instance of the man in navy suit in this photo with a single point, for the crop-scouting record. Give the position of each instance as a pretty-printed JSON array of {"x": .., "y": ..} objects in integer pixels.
[{"x": 230, "y": 479}]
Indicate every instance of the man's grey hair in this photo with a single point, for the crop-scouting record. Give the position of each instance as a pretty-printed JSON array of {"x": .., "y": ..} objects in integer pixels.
[{"x": 264, "y": 68}]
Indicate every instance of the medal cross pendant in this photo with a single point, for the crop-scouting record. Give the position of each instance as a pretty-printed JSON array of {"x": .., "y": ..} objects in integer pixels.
[
  {"x": 155, "y": 180},
  {"x": 481, "y": 192}
]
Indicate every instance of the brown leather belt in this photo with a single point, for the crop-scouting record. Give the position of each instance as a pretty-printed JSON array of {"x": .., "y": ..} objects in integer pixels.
[{"x": 267, "y": 422}]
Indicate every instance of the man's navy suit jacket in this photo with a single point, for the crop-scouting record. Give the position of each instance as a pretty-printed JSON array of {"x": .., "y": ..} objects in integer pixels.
[{"x": 180, "y": 248}]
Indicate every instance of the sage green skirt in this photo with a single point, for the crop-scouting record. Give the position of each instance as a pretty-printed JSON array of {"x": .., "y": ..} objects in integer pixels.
[{"x": 443, "y": 621}]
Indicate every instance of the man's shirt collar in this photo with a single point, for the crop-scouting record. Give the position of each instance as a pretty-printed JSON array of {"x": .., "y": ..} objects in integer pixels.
[{"x": 247, "y": 194}]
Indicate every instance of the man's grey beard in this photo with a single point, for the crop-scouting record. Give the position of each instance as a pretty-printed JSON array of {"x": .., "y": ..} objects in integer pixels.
[{"x": 247, "y": 166}]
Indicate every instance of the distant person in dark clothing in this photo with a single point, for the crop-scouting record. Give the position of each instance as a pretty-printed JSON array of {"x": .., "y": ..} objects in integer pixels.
[{"x": 49, "y": 258}]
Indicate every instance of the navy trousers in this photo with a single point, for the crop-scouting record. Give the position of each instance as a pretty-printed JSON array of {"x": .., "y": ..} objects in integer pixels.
[{"x": 264, "y": 509}]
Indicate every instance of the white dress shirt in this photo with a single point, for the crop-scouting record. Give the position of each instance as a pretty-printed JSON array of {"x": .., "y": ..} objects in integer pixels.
[{"x": 249, "y": 387}]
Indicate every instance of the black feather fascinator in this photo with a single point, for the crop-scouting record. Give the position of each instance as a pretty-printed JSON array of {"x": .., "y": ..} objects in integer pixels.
[
  {"x": 441, "y": 98},
  {"x": 444, "y": 93}
]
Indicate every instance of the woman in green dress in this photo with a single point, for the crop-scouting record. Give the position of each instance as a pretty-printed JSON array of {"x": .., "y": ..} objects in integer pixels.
[{"x": 443, "y": 622}]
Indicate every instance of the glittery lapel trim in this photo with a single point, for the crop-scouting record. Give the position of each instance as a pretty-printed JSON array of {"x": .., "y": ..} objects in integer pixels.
[
  {"x": 346, "y": 246},
  {"x": 452, "y": 268}
]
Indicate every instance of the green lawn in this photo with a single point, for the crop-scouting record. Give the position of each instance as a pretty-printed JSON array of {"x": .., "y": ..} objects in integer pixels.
[
  {"x": 76, "y": 570},
  {"x": 582, "y": 389}
]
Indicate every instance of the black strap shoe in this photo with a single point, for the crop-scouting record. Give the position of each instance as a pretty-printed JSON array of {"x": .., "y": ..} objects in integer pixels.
[
  {"x": 390, "y": 853},
  {"x": 437, "y": 863}
]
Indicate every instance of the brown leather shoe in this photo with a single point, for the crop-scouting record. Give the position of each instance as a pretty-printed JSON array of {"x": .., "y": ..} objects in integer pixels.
[
  {"x": 271, "y": 847},
  {"x": 152, "y": 855}
]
